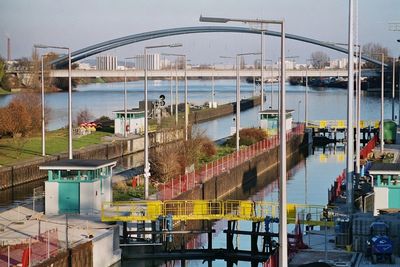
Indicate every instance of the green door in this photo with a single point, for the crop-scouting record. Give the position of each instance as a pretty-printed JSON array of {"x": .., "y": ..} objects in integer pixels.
[
  {"x": 68, "y": 197},
  {"x": 394, "y": 198}
]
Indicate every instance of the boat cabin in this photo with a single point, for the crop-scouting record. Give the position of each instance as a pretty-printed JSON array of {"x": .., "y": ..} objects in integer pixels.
[
  {"x": 269, "y": 120},
  {"x": 133, "y": 123},
  {"x": 386, "y": 184},
  {"x": 77, "y": 186}
]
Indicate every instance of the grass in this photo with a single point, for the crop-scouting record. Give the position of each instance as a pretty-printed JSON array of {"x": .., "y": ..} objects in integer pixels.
[
  {"x": 15, "y": 150},
  {"x": 4, "y": 92}
]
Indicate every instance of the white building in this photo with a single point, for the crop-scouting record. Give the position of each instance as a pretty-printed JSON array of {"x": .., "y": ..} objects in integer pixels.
[
  {"x": 153, "y": 62},
  {"x": 106, "y": 62},
  {"x": 134, "y": 124}
]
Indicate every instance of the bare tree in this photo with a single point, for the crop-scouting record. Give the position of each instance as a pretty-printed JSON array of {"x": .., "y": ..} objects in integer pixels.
[
  {"x": 319, "y": 59},
  {"x": 83, "y": 116},
  {"x": 374, "y": 50}
]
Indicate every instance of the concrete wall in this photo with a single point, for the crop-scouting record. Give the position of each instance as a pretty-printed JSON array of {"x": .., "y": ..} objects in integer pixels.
[
  {"x": 104, "y": 251},
  {"x": 381, "y": 199},
  {"x": 90, "y": 197},
  {"x": 51, "y": 199}
]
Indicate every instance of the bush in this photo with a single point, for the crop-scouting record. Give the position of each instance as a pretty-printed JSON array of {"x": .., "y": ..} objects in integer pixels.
[{"x": 248, "y": 137}]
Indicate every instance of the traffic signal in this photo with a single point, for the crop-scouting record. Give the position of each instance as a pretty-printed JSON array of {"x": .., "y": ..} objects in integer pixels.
[
  {"x": 325, "y": 213},
  {"x": 162, "y": 102}
]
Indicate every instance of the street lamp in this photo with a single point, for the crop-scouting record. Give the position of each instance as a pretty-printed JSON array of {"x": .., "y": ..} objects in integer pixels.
[
  {"x": 126, "y": 98},
  {"x": 298, "y": 111},
  {"x": 186, "y": 94},
  {"x": 249, "y": 21},
  {"x": 41, "y": 46},
  {"x": 283, "y": 260},
  {"x": 146, "y": 130}
]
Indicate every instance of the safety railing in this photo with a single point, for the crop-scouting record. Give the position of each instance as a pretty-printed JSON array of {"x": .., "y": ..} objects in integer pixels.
[
  {"x": 183, "y": 183},
  {"x": 186, "y": 210},
  {"x": 341, "y": 124}
]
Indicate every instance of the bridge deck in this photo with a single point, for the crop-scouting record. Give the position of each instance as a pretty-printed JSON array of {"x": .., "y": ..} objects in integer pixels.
[{"x": 186, "y": 210}]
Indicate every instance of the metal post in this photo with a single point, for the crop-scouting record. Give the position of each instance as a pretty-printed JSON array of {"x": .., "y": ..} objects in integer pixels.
[
  {"x": 43, "y": 122},
  {"x": 237, "y": 102},
  {"x": 306, "y": 98},
  {"x": 283, "y": 260},
  {"x": 262, "y": 68},
  {"x": 393, "y": 86},
  {"x": 358, "y": 112},
  {"x": 48, "y": 242},
  {"x": 350, "y": 129},
  {"x": 125, "y": 100},
  {"x": 272, "y": 83},
  {"x": 69, "y": 106},
  {"x": 382, "y": 100},
  {"x": 186, "y": 101},
  {"x": 8, "y": 256},
  {"x": 30, "y": 252},
  {"x": 146, "y": 132},
  {"x": 212, "y": 88},
  {"x": 170, "y": 92},
  {"x": 66, "y": 230},
  {"x": 176, "y": 92}
]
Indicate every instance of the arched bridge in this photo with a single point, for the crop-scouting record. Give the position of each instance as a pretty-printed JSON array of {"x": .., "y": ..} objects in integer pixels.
[{"x": 140, "y": 37}]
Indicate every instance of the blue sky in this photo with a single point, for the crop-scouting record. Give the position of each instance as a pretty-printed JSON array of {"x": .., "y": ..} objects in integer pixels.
[{"x": 79, "y": 23}]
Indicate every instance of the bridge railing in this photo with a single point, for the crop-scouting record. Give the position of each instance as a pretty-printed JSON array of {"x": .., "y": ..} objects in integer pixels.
[{"x": 183, "y": 183}]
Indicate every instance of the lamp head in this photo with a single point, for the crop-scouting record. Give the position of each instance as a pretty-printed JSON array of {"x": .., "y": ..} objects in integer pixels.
[{"x": 212, "y": 19}]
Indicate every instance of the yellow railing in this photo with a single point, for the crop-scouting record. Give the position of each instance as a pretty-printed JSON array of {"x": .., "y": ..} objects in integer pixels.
[
  {"x": 185, "y": 210},
  {"x": 341, "y": 124}
]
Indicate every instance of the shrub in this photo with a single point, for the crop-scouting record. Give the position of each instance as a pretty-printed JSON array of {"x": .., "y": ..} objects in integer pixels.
[{"x": 248, "y": 136}]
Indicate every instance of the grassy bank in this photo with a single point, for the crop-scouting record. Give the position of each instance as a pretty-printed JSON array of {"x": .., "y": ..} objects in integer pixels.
[
  {"x": 14, "y": 150},
  {"x": 4, "y": 92}
]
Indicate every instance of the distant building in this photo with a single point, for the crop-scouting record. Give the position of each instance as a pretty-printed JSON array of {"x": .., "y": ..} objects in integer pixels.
[
  {"x": 153, "y": 62},
  {"x": 84, "y": 66},
  {"x": 106, "y": 62},
  {"x": 338, "y": 63}
]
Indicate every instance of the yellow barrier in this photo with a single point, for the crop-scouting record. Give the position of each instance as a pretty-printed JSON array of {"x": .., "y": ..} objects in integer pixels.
[{"x": 184, "y": 210}]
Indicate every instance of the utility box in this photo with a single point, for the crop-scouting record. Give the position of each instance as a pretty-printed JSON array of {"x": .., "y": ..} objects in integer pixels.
[{"x": 389, "y": 131}]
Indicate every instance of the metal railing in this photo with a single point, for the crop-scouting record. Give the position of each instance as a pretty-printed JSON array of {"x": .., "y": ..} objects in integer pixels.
[
  {"x": 341, "y": 124},
  {"x": 183, "y": 183},
  {"x": 186, "y": 210}
]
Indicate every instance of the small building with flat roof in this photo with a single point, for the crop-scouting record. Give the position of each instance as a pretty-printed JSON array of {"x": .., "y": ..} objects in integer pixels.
[
  {"x": 77, "y": 185},
  {"x": 269, "y": 120},
  {"x": 133, "y": 123},
  {"x": 386, "y": 184}
]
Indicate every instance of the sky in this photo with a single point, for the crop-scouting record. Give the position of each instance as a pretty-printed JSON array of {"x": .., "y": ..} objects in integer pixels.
[{"x": 80, "y": 23}]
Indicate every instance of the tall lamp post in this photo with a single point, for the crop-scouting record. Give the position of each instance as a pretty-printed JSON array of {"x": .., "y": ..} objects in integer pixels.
[
  {"x": 42, "y": 46},
  {"x": 126, "y": 98},
  {"x": 186, "y": 92},
  {"x": 283, "y": 260},
  {"x": 146, "y": 130}
]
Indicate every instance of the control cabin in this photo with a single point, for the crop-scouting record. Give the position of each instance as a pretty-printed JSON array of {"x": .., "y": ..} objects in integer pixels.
[
  {"x": 386, "y": 184},
  {"x": 134, "y": 123},
  {"x": 269, "y": 120},
  {"x": 77, "y": 186}
]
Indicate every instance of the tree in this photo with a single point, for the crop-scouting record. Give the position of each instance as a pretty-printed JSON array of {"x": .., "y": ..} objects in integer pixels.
[
  {"x": 84, "y": 115},
  {"x": 374, "y": 50},
  {"x": 319, "y": 59}
]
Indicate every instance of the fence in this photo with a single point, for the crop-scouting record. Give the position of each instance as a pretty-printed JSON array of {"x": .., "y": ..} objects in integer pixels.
[
  {"x": 186, "y": 182},
  {"x": 31, "y": 251},
  {"x": 336, "y": 188}
]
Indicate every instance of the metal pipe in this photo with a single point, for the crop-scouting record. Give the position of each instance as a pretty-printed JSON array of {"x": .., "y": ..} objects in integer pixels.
[
  {"x": 237, "y": 103},
  {"x": 358, "y": 112},
  {"x": 70, "y": 156},
  {"x": 146, "y": 132},
  {"x": 186, "y": 101},
  {"x": 125, "y": 100},
  {"x": 43, "y": 122},
  {"x": 176, "y": 92},
  {"x": 306, "y": 98},
  {"x": 262, "y": 69},
  {"x": 382, "y": 100},
  {"x": 170, "y": 91},
  {"x": 393, "y": 86},
  {"x": 283, "y": 260},
  {"x": 350, "y": 129}
]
